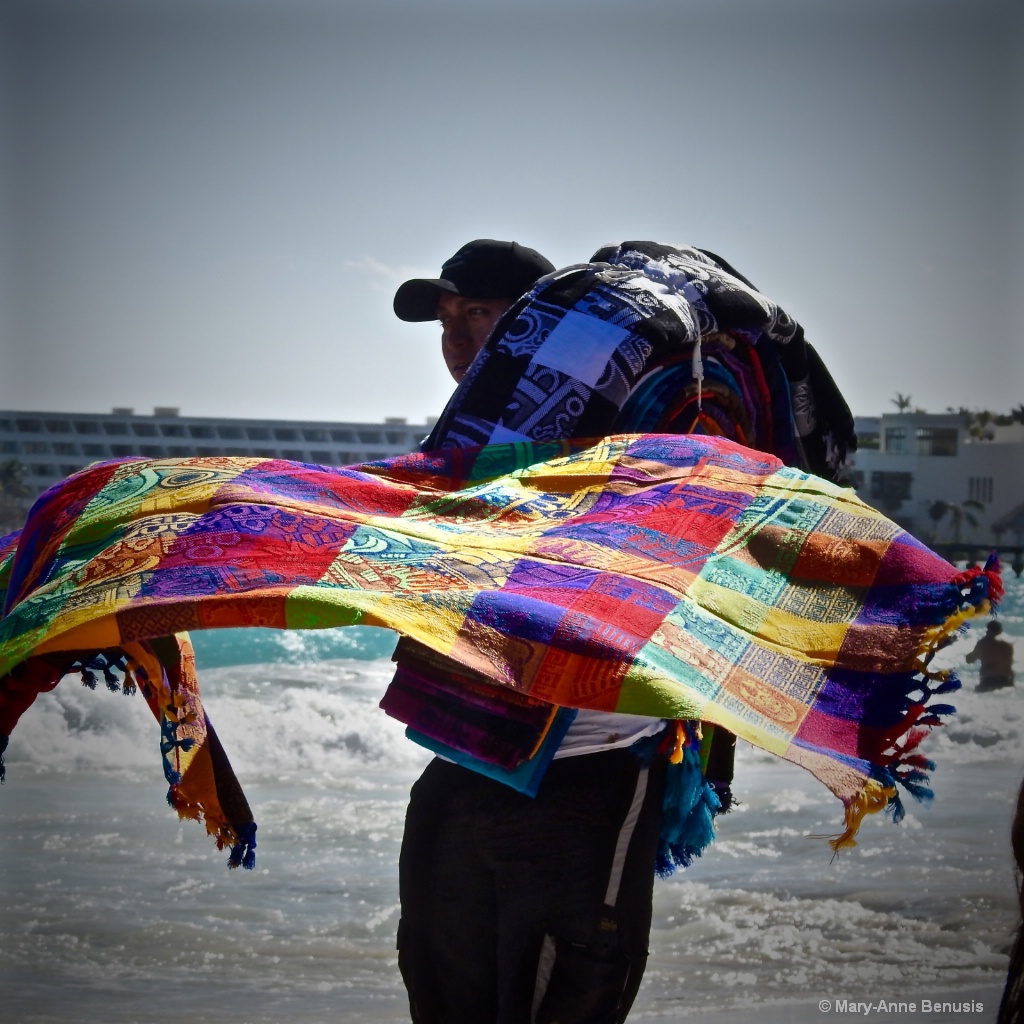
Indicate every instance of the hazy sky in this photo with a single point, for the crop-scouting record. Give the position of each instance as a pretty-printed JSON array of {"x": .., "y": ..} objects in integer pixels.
[{"x": 209, "y": 204}]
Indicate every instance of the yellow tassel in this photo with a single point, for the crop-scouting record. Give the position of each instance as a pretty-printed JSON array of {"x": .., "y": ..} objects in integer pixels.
[
  {"x": 677, "y": 750},
  {"x": 130, "y": 683},
  {"x": 872, "y": 798}
]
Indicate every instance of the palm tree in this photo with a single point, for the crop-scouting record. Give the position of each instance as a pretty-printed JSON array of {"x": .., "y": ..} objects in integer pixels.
[
  {"x": 13, "y": 492},
  {"x": 12, "y": 481},
  {"x": 958, "y": 513},
  {"x": 902, "y": 402}
]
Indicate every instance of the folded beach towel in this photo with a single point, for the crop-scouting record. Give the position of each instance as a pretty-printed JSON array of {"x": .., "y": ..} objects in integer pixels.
[{"x": 652, "y": 338}]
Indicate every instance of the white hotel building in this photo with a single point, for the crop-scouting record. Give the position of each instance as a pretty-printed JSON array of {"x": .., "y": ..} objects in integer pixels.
[
  {"x": 53, "y": 445},
  {"x": 907, "y": 462}
]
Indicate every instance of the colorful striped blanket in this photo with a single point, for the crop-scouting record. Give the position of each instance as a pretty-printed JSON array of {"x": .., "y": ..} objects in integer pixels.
[{"x": 681, "y": 577}]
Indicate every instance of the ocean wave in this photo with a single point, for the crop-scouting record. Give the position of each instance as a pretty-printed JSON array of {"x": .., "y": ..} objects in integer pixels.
[
  {"x": 744, "y": 944},
  {"x": 320, "y": 721}
]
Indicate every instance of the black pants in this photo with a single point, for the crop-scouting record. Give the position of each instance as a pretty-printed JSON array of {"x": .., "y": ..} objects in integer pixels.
[{"x": 516, "y": 909}]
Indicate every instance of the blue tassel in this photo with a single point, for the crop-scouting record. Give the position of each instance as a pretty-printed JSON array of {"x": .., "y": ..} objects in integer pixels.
[
  {"x": 243, "y": 853},
  {"x": 689, "y": 807},
  {"x": 110, "y": 663},
  {"x": 723, "y": 790},
  {"x": 919, "y": 792},
  {"x": 896, "y": 809}
]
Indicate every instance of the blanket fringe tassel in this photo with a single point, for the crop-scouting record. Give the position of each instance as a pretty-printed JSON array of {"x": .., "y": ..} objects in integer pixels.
[
  {"x": 981, "y": 589},
  {"x": 239, "y": 840},
  {"x": 689, "y": 805},
  {"x": 872, "y": 798}
]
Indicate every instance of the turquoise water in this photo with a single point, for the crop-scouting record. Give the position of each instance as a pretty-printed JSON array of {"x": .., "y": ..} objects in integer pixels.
[{"x": 222, "y": 647}]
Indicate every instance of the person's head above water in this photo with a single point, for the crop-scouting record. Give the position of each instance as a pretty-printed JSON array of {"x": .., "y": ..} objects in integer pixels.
[
  {"x": 476, "y": 286},
  {"x": 994, "y": 628}
]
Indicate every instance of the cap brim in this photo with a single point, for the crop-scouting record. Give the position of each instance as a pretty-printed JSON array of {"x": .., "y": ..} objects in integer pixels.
[{"x": 416, "y": 300}]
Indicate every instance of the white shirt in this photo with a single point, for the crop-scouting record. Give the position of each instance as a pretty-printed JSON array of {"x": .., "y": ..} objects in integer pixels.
[{"x": 594, "y": 731}]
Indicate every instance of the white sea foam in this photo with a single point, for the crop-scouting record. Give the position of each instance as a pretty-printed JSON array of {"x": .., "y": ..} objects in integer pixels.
[{"x": 320, "y": 721}]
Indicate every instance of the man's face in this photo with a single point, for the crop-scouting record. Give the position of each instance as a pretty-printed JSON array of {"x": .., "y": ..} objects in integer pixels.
[{"x": 465, "y": 326}]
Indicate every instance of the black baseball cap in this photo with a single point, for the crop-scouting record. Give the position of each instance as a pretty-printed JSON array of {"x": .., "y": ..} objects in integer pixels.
[{"x": 482, "y": 269}]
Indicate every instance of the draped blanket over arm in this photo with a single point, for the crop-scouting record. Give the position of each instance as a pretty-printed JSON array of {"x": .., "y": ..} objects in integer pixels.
[{"x": 673, "y": 576}]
